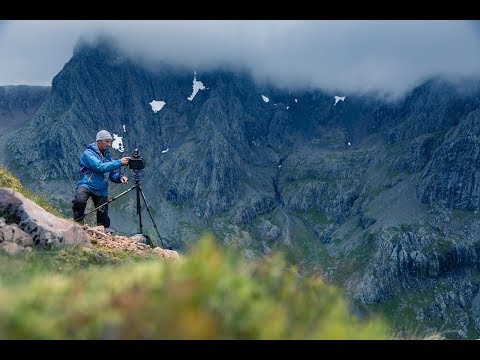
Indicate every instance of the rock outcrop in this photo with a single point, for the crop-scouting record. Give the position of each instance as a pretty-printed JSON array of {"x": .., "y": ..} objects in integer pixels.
[
  {"x": 27, "y": 224},
  {"x": 135, "y": 244},
  {"x": 24, "y": 225}
]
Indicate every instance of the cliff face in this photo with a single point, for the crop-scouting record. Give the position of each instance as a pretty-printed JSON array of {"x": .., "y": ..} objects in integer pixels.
[
  {"x": 18, "y": 104},
  {"x": 380, "y": 198},
  {"x": 452, "y": 176}
]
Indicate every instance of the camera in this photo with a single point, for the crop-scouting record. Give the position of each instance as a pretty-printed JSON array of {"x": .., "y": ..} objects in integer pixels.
[{"x": 136, "y": 162}]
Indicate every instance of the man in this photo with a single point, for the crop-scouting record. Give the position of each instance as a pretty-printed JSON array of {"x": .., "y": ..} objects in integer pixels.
[{"x": 96, "y": 168}]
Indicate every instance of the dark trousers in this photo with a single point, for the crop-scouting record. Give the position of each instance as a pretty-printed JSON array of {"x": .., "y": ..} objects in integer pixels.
[{"x": 80, "y": 202}]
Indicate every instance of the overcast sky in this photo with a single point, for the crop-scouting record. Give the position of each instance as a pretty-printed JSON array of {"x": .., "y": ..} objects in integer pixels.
[{"x": 388, "y": 56}]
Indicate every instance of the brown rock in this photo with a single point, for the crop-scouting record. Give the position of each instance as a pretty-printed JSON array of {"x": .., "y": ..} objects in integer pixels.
[
  {"x": 10, "y": 247},
  {"x": 12, "y": 233},
  {"x": 44, "y": 227},
  {"x": 167, "y": 254}
]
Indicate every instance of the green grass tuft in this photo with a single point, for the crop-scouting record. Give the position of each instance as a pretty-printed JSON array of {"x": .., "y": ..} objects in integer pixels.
[{"x": 7, "y": 180}]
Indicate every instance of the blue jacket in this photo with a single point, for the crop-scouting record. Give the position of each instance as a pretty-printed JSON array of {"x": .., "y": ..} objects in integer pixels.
[{"x": 96, "y": 170}]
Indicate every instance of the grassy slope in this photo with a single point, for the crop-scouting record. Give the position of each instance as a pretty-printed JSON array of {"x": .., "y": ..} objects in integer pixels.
[{"x": 9, "y": 181}]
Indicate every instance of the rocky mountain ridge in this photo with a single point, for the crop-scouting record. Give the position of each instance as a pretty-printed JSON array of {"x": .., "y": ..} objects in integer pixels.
[{"x": 18, "y": 104}]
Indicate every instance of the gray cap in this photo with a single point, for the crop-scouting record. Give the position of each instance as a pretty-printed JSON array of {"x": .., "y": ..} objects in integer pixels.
[{"x": 104, "y": 135}]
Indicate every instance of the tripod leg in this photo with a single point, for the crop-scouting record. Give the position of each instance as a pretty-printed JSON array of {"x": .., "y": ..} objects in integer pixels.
[
  {"x": 108, "y": 202},
  {"x": 139, "y": 209},
  {"x": 151, "y": 217}
]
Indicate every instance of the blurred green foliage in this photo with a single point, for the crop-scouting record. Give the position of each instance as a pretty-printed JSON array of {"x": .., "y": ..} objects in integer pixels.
[{"x": 210, "y": 293}]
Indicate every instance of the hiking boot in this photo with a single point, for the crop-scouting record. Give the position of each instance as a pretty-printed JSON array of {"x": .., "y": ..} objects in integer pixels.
[{"x": 110, "y": 231}]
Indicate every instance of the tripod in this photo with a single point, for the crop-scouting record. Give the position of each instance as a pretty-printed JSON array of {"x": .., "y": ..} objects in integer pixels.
[{"x": 139, "y": 209}]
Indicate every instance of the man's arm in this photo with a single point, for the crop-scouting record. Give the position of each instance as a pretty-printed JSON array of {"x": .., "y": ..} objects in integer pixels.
[
  {"x": 115, "y": 177},
  {"x": 90, "y": 159}
]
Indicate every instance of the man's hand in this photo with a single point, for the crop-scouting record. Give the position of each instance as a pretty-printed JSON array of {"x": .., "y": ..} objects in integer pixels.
[
  {"x": 124, "y": 160},
  {"x": 124, "y": 180}
]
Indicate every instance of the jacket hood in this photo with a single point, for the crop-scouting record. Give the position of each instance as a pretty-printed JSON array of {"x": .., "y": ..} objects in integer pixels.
[{"x": 94, "y": 147}]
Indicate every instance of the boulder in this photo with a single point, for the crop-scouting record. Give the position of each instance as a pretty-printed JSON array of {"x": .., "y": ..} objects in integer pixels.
[{"x": 44, "y": 228}]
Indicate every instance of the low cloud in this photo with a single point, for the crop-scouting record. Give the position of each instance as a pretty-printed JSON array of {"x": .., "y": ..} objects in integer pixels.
[{"x": 387, "y": 57}]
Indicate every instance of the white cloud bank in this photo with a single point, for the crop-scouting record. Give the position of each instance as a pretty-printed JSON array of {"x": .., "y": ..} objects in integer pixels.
[{"x": 388, "y": 56}]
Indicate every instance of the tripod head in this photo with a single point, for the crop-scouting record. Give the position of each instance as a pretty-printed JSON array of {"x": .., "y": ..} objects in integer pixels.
[
  {"x": 136, "y": 176},
  {"x": 136, "y": 162}
]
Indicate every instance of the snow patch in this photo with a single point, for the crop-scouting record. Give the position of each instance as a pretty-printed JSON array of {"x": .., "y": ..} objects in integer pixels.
[
  {"x": 338, "y": 98},
  {"x": 197, "y": 85},
  {"x": 117, "y": 143},
  {"x": 157, "y": 105}
]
